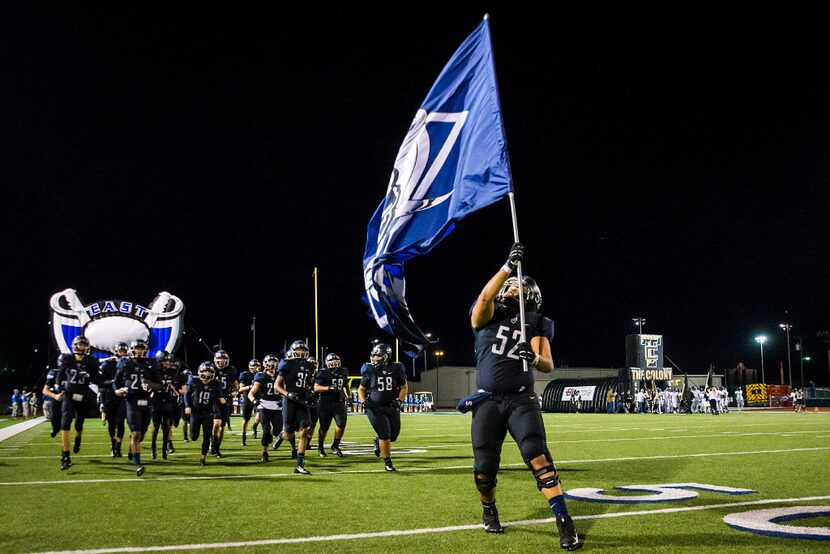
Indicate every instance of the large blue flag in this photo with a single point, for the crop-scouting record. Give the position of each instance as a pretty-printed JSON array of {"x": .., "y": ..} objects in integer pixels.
[{"x": 453, "y": 161}]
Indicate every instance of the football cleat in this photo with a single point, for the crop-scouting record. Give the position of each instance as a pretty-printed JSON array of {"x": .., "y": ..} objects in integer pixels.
[
  {"x": 244, "y": 441},
  {"x": 153, "y": 452},
  {"x": 170, "y": 448},
  {"x": 202, "y": 461},
  {"x": 336, "y": 450},
  {"x": 164, "y": 453},
  {"x": 218, "y": 453},
  {"x": 322, "y": 452},
  {"x": 568, "y": 539},
  {"x": 66, "y": 463},
  {"x": 264, "y": 457},
  {"x": 491, "y": 521},
  {"x": 388, "y": 466},
  {"x": 77, "y": 447},
  {"x": 300, "y": 470},
  {"x": 139, "y": 471},
  {"x": 377, "y": 446}
]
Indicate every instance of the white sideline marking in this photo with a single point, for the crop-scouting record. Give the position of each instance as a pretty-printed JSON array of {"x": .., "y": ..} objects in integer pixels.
[
  {"x": 400, "y": 470},
  {"x": 428, "y": 530},
  {"x": 369, "y": 446},
  {"x": 17, "y": 428}
]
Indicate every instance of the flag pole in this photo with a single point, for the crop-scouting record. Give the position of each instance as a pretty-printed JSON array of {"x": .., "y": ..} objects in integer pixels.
[
  {"x": 316, "y": 319},
  {"x": 518, "y": 272}
]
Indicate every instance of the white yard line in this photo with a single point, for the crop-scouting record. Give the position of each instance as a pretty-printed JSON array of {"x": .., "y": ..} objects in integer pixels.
[
  {"x": 562, "y": 464},
  {"x": 430, "y": 530}
]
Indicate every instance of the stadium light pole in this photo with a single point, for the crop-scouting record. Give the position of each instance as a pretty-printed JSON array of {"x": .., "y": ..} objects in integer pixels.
[
  {"x": 639, "y": 322},
  {"x": 426, "y": 350},
  {"x": 786, "y": 328},
  {"x": 825, "y": 338},
  {"x": 761, "y": 340},
  {"x": 799, "y": 347},
  {"x": 437, "y": 354}
]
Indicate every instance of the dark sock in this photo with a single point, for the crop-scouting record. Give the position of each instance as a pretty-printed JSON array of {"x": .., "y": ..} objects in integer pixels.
[
  {"x": 64, "y": 454},
  {"x": 319, "y": 444},
  {"x": 335, "y": 443},
  {"x": 387, "y": 460},
  {"x": 488, "y": 506},
  {"x": 137, "y": 459},
  {"x": 557, "y": 504},
  {"x": 300, "y": 459}
]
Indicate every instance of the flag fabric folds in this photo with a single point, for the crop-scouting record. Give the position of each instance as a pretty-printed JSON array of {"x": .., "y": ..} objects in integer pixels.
[{"x": 453, "y": 161}]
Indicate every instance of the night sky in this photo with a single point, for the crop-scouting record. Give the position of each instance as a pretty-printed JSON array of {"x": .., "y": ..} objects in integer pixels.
[{"x": 670, "y": 161}]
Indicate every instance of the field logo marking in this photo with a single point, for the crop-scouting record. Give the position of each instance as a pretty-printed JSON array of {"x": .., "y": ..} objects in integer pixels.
[
  {"x": 669, "y": 492},
  {"x": 767, "y": 522}
]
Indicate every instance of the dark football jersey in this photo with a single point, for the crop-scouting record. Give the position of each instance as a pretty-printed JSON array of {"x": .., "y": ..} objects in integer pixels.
[
  {"x": 131, "y": 371},
  {"x": 78, "y": 374},
  {"x": 109, "y": 367},
  {"x": 226, "y": 378},
  {"x": 246, "y": 378},
  {"x": 498, "y": 368},
  {"x": 267, "y": 387},
  {"x": 328, "y": 377},
  {"x": 297, "y": 375},
  {"x": 169, "y": 385},
  {"x": 53, "y": 382},
  {"x": 384, "y": 382},
  {"x": 200, "y": 397}
]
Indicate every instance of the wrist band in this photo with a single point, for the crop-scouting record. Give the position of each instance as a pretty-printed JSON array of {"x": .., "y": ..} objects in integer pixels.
[{"x": 507, "y": 269}]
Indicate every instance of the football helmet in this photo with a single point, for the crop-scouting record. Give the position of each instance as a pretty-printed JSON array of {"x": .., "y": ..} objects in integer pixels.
[
  {"x": 80, "y": 345},
  {"x": 533, "y": 295},
  {"x": 270, "y": 362},
  {"x": 207, "y": 371},
  {"x": 298, "y": 350},
  {"x": 254, "y": 365},
  {"x": 313, "y": 361},
  {"x": 221, "y": 359},
  {"x": 137, "y": 345},
  {"x": 332, "y": 360},
  {"x": 381, "y": 354},
  {"x": 163, "y": 356},
  {"x": 121, "y": 349}
]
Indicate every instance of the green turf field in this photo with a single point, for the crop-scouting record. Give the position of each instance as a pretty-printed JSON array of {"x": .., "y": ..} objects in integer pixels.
[{"x": 353, "y": 505}]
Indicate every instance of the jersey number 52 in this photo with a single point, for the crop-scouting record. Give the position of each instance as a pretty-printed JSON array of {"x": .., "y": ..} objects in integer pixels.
[{"x": 503, "y": 338}]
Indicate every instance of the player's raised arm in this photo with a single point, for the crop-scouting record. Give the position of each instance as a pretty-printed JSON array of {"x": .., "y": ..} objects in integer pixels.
[{"x": 484, "y": 307}]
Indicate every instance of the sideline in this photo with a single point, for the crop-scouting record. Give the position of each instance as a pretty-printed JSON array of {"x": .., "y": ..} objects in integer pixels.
[
  {"x": 17, "y": 428},
  {"x": 428, "y": 530}
]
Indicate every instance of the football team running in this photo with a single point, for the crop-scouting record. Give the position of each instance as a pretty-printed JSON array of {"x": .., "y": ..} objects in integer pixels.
[{"x": 288, "y": 398}]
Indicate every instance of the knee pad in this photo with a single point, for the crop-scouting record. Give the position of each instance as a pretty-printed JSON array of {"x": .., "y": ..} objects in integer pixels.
[
  {"x": 485, "y": 482},
  {"x": 550, "y": 481}
]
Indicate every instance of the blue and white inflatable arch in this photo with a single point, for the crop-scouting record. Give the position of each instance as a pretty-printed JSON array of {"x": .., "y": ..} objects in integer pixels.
[{"x": 107, "y": 322}]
